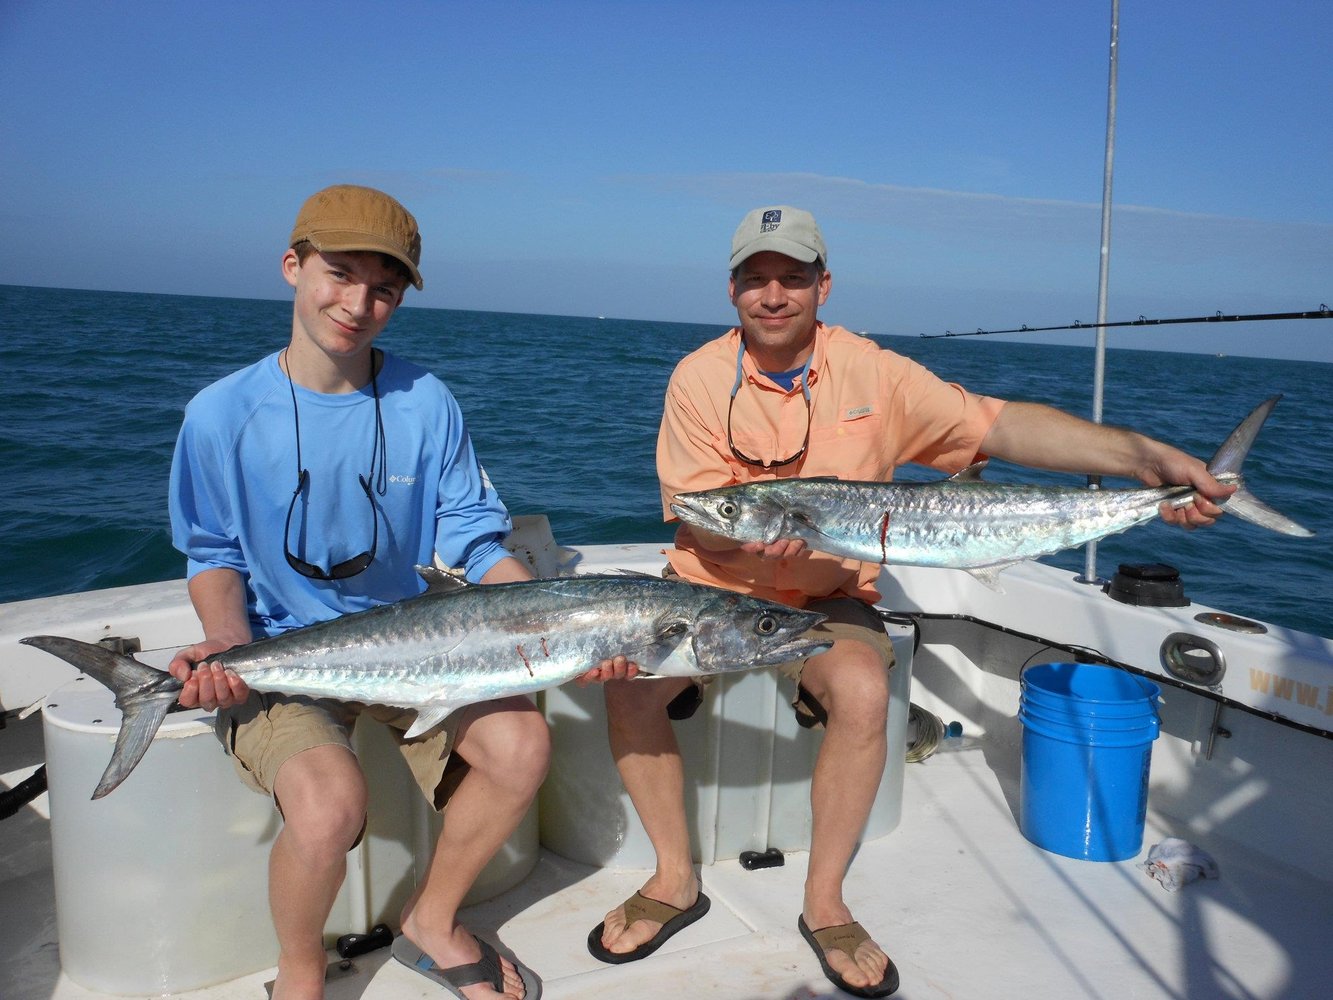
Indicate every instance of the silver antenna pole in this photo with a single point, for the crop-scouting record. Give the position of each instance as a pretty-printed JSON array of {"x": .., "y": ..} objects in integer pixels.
[{"x": 1104, "y": 271}]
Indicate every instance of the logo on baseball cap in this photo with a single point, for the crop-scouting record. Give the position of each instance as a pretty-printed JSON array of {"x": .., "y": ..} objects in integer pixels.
[{"x": 783, "y": 229}]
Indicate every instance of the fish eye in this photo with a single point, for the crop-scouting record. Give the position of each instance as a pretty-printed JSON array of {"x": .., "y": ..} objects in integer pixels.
[
  {"x": 728, "y": 509},
  {"x": 766, "y": 625}
]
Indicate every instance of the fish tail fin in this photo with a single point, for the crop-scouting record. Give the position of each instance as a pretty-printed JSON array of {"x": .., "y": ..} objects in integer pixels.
[
  {"x": 1246, "y": 505},
  {"x": 1232, "y": 454},
  {"x": 1226, "y": 464},
  {"x": 143, "y": 694}
]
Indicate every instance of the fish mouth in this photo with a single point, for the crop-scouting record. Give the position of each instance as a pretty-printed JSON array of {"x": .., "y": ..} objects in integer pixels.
[
  {"x": 799, "y": 644},
  {"x": 699, "y": 514},
  {"x": 682, "y": 506},
  {"x": 799, "y": 648}
]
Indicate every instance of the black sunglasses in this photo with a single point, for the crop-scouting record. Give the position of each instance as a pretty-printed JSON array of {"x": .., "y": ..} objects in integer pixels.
[
  {"x": 358, "y": 563},
  {"x": 348, "y": 567},
  {"x": 805, "y": 391}
]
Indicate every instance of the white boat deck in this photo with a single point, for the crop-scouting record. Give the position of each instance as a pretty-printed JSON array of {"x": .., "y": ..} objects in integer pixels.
[{"x": 967, "y": 907}]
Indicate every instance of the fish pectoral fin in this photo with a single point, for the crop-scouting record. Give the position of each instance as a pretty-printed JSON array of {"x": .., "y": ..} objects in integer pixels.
[
  {"x": 990, "y": 575},
  {"x": 795, "y": 521},
  {"x": 427, "y": 719}
]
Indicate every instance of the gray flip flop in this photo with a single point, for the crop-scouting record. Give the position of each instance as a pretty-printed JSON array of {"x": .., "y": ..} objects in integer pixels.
[{"x": 453, "y": 979}]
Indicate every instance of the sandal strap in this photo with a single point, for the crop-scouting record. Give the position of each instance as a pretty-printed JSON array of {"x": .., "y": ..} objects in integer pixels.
[
  {"x": 640, "y": 907},
  {"x": 841, "y": 937},
  {"x": 486, "y": 970}
]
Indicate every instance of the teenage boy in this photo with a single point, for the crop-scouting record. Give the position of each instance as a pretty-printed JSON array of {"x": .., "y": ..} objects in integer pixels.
[{"x": 310, "y": 485}]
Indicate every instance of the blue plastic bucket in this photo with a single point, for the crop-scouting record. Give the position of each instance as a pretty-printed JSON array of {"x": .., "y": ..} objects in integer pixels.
[{"x": 1088, "y": 732}]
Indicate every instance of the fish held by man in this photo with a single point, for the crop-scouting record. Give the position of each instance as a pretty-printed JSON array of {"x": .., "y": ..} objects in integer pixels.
[
  {"x": 441, "y": 651},
  {"x": 960, "y": 522}
]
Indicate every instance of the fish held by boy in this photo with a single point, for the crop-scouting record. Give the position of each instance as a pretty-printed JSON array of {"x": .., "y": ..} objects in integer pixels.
[
  {"x": 441, "y": 651},
  {"x": 960, "y": 522}
]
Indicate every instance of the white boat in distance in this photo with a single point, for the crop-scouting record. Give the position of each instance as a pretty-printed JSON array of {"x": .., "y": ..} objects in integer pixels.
[{"x": 111, "y": 902}]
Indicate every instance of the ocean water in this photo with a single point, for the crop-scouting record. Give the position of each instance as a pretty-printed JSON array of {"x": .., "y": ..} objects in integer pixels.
[{"x": 564, "y": 413}]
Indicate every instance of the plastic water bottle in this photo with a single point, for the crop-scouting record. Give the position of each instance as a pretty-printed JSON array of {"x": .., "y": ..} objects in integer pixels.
[
  {"x": 953, "y": 739},
  {"x": 928, "y": 735}
]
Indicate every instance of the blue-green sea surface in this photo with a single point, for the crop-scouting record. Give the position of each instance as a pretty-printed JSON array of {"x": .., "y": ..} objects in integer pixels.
[{"x": 564, "y": 414}]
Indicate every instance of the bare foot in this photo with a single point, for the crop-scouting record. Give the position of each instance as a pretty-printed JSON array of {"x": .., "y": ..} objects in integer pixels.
[{"x": 301, "y": 974}]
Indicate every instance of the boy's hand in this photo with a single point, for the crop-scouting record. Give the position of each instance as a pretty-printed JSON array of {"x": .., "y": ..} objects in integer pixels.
[{"x": 207, "y": 686}]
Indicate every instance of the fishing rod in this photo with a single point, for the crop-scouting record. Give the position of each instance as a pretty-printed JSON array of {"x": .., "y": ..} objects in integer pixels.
[{"x": 1323, "y": 312}]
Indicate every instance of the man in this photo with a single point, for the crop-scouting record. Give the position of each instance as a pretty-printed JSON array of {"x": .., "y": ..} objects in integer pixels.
[
  {"x": 289, "y": 521},
  {"x": 782, "y": 395}
]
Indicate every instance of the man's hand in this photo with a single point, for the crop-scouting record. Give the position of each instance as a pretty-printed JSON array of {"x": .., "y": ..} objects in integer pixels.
[
  {"x": 1199, "y": 514},
  {"x": 783, "y": 548},
  {"x": 618, "y": 668},
  {"x": 207, "y": 686},
  {"x": 1172, "y": 467}
]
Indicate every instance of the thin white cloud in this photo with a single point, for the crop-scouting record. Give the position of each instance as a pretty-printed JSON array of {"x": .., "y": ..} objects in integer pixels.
[{"x": 966, "y": 217}]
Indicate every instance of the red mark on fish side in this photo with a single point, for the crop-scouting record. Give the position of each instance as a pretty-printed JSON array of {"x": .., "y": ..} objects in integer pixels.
[
  {"x": 526, "y": 662},
  {"x": 883, "y": 538},
  {"x": 545, "y": 649}
]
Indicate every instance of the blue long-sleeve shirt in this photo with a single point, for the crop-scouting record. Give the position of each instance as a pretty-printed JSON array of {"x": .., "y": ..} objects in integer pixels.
[{"x": 235, "y": 471}]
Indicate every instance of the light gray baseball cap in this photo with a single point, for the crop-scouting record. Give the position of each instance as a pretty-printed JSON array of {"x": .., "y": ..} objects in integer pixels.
[{"x": 781, "y": 228}]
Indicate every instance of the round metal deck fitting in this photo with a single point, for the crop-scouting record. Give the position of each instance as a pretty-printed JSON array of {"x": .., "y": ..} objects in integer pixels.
[
  {"x": 1232, "y": 623},
  {"x": 1193, "y": 659}
]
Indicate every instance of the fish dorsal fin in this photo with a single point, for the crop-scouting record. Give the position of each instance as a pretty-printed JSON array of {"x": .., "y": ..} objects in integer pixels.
[
  {"x": 441, "y": 580},
  {"x": 972, "y": 474},
  {"x": 427, "y": 719}
]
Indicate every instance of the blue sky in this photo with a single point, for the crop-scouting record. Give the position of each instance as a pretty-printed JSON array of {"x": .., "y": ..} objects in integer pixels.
[{"x": 593, "y": 158}]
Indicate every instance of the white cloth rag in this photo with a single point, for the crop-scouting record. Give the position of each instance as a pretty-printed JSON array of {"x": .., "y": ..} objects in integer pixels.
[{"x": 1175, "y": 863}]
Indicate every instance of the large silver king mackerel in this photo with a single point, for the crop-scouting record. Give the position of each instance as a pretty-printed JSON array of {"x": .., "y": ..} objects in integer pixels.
[
  {"x": 961, "y": 522},
  {"x": 443, "y": 650}
]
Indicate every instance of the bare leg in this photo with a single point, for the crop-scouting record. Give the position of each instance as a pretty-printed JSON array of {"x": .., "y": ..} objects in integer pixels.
[
  {"x": 850, "y": 682},
  {"x": 507, "y": 746},
  {"x": 323, "y": 797},
  {"x": 648, "y": 757}
]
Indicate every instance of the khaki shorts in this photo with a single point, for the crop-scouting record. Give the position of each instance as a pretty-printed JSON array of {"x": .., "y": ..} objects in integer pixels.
[
  {"x": 270, "y": 729},
  {"x": 848, "y": 618}
]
